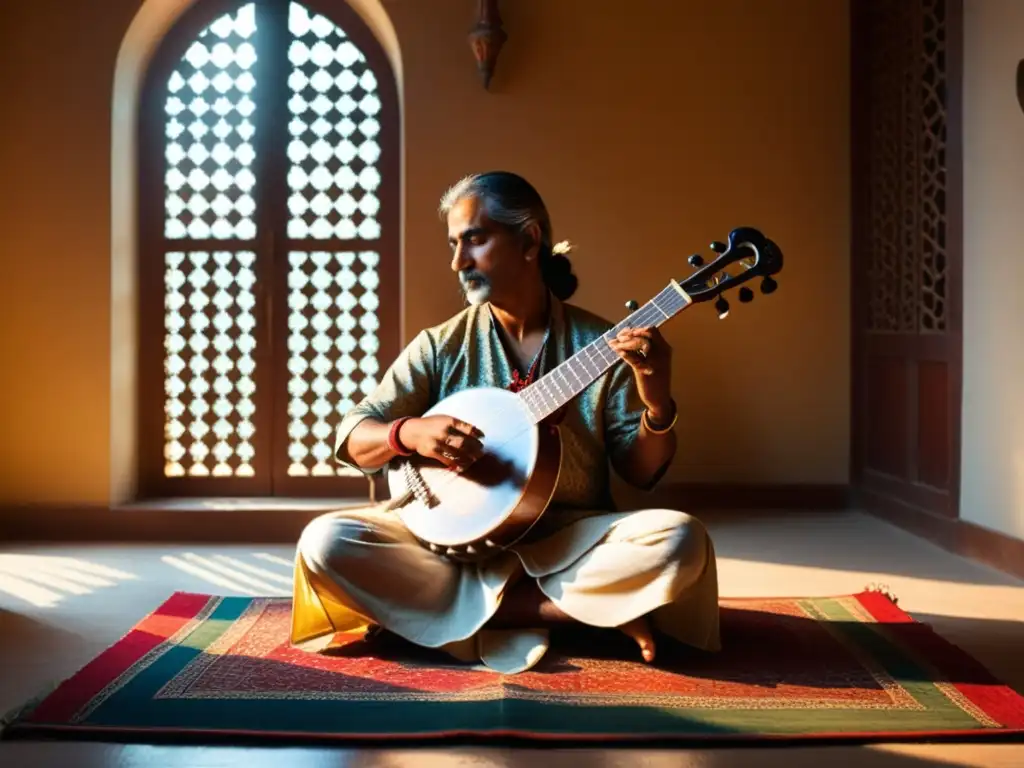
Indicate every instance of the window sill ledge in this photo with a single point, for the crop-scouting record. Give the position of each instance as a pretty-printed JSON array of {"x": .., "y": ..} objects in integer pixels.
[
  {"x": 240, "y": 504},
  {"x": 179, "y": 520}
]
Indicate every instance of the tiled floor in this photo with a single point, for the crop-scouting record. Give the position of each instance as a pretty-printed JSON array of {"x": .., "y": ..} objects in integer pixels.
[{"x": 81, "y": 599}]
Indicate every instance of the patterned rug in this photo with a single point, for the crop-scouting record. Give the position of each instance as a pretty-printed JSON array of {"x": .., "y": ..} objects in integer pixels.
[{"x": 852, "y": 668}]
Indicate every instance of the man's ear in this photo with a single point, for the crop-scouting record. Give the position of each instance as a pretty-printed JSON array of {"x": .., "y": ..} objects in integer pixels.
[{"x": 531, "y": 241}]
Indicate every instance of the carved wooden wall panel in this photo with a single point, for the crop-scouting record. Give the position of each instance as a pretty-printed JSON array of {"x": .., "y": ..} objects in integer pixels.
[
  {"x": 906, "y": 87},
  {"x": 906, "y": 258}
]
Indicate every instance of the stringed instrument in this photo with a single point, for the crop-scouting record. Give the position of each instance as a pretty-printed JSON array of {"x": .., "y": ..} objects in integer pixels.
[{"x": 476, "y": 512}]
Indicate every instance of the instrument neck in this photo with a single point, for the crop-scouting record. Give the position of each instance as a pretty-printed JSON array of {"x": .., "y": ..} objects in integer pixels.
[{"x": 560, "y": 385}]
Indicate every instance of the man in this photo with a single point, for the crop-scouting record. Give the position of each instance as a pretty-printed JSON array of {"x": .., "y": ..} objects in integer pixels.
[{"x": 360, "y": 568}]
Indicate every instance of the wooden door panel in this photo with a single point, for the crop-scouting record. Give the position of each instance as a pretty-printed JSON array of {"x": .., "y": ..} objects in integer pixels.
[
  {"x": 906, "y": 259},
  {"x": 887, "y": 429},
  {"x": 933, "y": 427}
]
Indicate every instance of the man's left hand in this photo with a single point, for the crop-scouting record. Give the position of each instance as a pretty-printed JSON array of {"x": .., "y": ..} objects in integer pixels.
[{"x": 650, "y": 357}]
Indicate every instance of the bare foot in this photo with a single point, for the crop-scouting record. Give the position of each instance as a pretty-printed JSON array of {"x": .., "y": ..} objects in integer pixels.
[{"x": 640, "y": 630}]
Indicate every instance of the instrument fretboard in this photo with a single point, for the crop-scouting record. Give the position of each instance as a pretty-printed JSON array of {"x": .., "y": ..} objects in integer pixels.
[{"x": 561, "y": 384}]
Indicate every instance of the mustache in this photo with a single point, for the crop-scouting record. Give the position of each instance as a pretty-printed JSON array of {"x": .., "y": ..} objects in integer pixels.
[{"x": 466, "y": 277}]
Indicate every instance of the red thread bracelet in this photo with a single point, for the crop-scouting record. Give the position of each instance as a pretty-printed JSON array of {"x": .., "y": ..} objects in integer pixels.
[{"x": 393, "y": 442}]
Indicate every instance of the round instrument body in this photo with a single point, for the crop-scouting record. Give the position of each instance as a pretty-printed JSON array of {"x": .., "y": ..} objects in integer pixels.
[{"x": 495, "y": 500}]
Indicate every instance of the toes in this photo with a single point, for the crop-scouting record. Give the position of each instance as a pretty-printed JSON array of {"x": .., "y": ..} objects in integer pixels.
[
  {"x": 647, "y": 649},
  {"x": 640, "y": 632}
]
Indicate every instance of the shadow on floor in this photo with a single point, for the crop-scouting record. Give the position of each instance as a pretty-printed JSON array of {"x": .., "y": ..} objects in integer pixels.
[
  {"x": 996, "y": 644},
  {"x": 772, "y": 651},
  {"x": 866, "y": 543},
  {"x": 23, "y": 638}
]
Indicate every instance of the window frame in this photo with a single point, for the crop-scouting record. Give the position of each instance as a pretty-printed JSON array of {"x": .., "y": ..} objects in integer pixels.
[{"x": 271, "y": 246}]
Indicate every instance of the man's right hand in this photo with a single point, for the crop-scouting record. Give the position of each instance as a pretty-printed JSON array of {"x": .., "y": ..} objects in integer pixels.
[{"x": 452, "y": 442}]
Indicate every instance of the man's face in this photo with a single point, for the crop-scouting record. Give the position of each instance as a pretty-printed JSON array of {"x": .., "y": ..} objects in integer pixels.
[{"x": 491, "y": 261}]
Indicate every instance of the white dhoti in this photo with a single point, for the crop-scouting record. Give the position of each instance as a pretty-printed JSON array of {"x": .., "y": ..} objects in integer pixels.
[{"x": 361, "y": 567}]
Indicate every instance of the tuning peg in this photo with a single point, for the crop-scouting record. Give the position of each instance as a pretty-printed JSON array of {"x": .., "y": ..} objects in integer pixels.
[
  {"x": 746, "y": 295},
  {"x": 722, "y": 308},
  {"x": 631, "y": 305},
  {"x": 718, "y": 246},
  {"x": 768, "y": 285},
  {"x": 696, "y": 260}
]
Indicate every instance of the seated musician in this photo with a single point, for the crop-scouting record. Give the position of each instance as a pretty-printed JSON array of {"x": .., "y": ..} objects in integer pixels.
[{"x": 643, "y": 572}]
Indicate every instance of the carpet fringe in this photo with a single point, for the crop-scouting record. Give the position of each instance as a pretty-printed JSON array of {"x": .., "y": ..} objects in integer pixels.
[{"x": 882, "y": 589}]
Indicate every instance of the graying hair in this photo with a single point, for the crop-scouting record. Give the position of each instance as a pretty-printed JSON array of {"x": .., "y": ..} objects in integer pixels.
[{"x": 510, "y": 200}]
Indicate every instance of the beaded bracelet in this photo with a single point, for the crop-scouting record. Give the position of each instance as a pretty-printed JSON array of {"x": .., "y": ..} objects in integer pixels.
[{"x": 393, "y": 442}]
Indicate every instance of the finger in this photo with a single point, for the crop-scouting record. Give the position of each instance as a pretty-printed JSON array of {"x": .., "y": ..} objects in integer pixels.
[
  {"x": 630, "y": 351},
  {"x": 444, "y": 447},
  {"x": 444, "y": 454},
  {"x": 445, "y": 459},
  {"x": 629, "y": 355},
  {"x": 465, "y": 447},
  {"x": 634, "y": 344},
  {"x": 636, "y": 353},
  {"x": 642, "y": 365},
  {"x": 466, "y": 428},
  {"x": 635, "y": 361}
]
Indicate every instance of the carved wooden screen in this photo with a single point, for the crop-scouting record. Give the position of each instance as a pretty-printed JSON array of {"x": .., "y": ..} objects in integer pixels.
[
  {"x": 269, "y": 197},
  {"x": 906, "y": 252}
]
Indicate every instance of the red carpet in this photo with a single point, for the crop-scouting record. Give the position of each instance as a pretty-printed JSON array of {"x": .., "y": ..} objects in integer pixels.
[{"x": 854, "y": 668}]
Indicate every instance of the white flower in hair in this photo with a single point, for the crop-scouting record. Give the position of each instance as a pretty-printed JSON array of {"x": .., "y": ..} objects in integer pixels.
[{"x": 562, "y": 249}]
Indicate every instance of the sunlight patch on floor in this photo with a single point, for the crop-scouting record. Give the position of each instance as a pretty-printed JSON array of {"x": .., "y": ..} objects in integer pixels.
[
  {"x": 254, "y": 570},
  {"x": 232, "y": 574},
  {"x": 939, "y": 596},
  {"x": 273, "y": 559},
  {"x": 45, "y": 580},
  {"x": 954, "y": 755}
]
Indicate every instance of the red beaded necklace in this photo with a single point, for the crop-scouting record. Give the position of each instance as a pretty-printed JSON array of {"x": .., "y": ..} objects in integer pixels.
[{"x": 519, "y": 382}]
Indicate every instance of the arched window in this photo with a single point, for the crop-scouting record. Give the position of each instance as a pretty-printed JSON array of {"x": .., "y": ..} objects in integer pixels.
[{"x": 269, "y": 246}]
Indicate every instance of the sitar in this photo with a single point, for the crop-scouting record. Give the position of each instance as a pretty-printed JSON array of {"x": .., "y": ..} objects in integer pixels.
[{"x": 475, "y": 512}]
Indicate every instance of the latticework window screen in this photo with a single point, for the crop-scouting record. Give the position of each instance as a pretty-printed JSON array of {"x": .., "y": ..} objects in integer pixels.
[{"x": 269, "y": 262}]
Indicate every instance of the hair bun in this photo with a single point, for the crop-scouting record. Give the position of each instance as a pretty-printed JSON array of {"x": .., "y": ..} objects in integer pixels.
[
  {"x": 559, "y": 265},
  {"x": 557, "y": 271}
]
